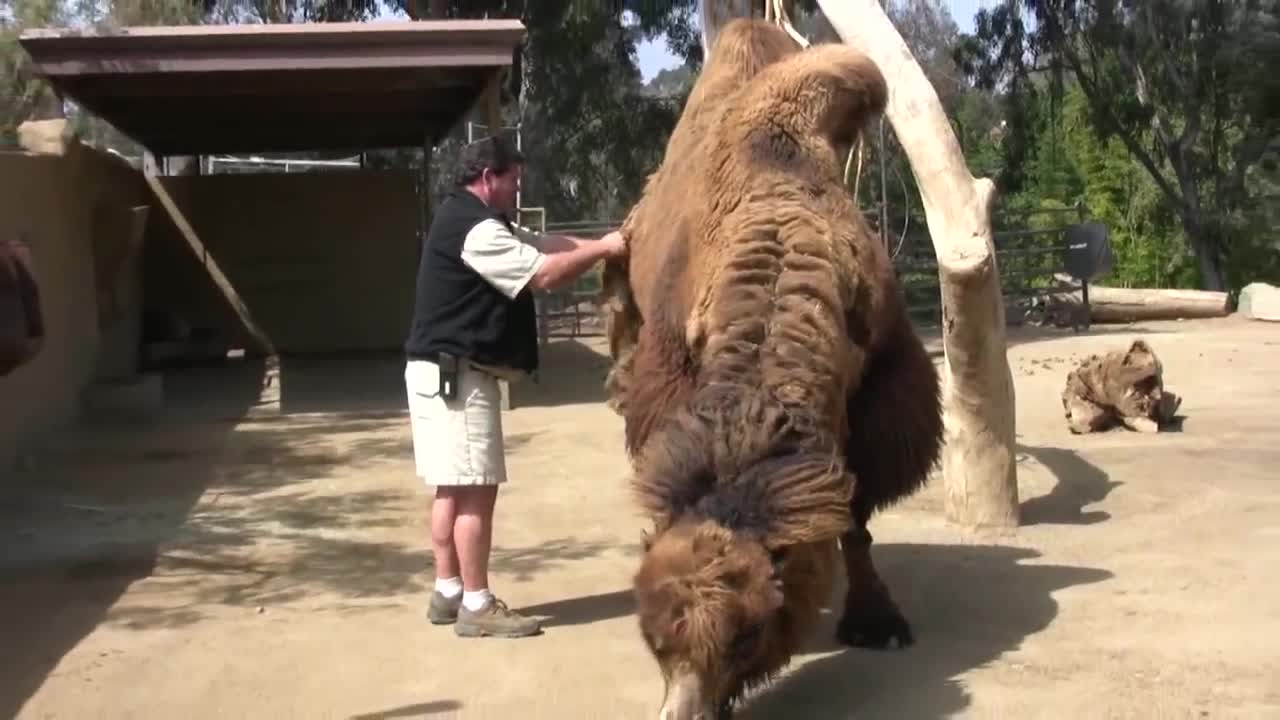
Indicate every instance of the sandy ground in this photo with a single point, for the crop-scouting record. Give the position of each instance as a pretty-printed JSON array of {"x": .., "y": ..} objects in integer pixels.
[{"x": 208, "y": 564}]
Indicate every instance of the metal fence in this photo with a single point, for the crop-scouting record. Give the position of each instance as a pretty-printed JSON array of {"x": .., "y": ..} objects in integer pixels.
[
  {"x": 571, "y": 311},
  {"x": 1029, "y": 250}
]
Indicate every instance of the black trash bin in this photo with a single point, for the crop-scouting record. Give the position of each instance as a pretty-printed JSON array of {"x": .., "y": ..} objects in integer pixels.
[{"x": 1087, "y": 256}]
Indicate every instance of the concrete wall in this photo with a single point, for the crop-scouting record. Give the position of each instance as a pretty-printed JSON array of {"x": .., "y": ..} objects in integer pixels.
[
  {"x": 325, "y": 262},
  {"x": 77, "y": 212}
]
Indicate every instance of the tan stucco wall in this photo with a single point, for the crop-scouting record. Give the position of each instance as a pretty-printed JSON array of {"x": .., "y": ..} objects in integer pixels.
[
  {"x": 325, "y": 262},
  {"x": 73, "y": 211}
]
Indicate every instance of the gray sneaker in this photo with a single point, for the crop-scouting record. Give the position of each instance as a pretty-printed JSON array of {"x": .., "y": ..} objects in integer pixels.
[
  {"x": 443, "y": 610},
  {"x": 495, "y": 619}
]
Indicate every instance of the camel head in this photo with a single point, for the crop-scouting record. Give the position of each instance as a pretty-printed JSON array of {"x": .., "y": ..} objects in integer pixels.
[
  {"x": 708, "y": 601},
  {"x": 746, "y": 497}
]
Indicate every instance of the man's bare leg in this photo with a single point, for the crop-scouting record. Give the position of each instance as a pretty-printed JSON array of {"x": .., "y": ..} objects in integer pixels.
[
  {"x": 447, "y": 597},
  {"x": 473, "y": 533},
  {"x": 481, "y": 613},
  {"x": 444, "y": 513}
]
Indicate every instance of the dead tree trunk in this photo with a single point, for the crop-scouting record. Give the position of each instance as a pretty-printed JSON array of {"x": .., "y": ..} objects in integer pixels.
[
  {"x": 978, "y": 461},
  {"x": 1122, "y": 305}
]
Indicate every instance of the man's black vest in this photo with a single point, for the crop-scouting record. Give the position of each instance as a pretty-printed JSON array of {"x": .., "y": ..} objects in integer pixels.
[{"x": 456, "y": 310}]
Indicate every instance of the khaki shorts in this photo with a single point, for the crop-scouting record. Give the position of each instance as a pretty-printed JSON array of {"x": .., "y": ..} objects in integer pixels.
[{"x": 456, "y": 442}]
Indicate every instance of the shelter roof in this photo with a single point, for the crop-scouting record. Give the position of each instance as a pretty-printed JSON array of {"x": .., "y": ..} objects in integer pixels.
[{"x": 278, "y": 88}]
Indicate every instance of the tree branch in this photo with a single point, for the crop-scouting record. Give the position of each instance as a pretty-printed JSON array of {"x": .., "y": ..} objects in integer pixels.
[
  {"x": 1247, "y": 154},
  {"x": 1090, "y": 91}
]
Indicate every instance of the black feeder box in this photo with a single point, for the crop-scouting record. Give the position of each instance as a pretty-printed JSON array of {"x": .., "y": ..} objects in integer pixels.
[{"x": 1087, "y": 256}]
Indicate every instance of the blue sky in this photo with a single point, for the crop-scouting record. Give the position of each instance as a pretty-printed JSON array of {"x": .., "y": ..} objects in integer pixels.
[{"x": 654, "y": 56}]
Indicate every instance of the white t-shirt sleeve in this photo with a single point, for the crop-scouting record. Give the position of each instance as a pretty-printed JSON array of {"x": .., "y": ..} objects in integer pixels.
[{"x": 501, "y": 257}]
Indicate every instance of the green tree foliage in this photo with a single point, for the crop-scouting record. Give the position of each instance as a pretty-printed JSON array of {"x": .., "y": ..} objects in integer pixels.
[
  {"x": 592, "y": 134},
  {"x": 20, "y": 91},
  {"x": 1188, "y": 89},
  {"x": 1071, "y": 161}
]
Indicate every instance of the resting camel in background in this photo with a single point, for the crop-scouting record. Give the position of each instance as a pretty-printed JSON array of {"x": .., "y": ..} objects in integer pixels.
[{"x": 774, "y": 391}]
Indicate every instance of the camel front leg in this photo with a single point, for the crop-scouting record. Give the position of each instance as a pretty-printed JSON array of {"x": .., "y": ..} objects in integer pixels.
[{"x": 871, "y": 619}]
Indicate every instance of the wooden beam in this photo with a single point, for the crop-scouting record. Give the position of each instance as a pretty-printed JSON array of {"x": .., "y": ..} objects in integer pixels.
[
  {"x": 277, "y": 83},
  {"x": 210, "y": 264},
  {"x": 493, "y": 118},
  {"x": 493, "y": 104},
  {"x": 268, "y": 60}
]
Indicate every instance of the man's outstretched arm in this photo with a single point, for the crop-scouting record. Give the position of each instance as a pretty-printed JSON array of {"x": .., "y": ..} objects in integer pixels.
[
  {"x": 510, "y": 262},
  {"x": 551, "y": 243}
]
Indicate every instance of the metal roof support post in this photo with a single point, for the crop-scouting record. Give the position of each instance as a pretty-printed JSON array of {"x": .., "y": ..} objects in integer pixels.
[
  {"x": 493, "y": 116},
  {"x": 423, "y": 187}
]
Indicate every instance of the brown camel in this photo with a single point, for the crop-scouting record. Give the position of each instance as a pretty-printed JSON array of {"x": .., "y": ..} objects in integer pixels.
[{"x": 774, "y": 391}]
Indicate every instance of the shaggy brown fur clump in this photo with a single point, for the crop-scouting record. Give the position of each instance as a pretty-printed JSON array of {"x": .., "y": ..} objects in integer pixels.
[
  {"x": 1123, "y": 387},
  {"x": 774, "y": 392}
]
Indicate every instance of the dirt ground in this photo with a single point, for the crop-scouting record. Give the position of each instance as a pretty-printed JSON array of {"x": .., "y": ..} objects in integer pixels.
[{"x": 238, "y": 561}]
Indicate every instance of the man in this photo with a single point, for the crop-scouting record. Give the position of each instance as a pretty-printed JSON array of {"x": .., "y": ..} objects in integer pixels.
[
  {"x": 474, "y": 322},
  {"x": 21, "y": 321}
]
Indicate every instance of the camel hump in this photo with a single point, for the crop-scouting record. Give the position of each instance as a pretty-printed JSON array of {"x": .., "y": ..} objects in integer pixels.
[
  {"x": 745, "y": 46},
  {"x": 829, "y": 90}
]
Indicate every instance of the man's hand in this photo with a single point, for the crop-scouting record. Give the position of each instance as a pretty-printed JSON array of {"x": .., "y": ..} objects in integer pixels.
[{"x": 614, "y": 244}]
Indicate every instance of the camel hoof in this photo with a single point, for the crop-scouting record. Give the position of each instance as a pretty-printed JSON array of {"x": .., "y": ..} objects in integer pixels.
[{"x": 876, "y": 625}]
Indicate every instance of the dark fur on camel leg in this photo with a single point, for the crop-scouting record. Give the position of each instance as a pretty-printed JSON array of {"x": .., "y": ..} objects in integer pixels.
[{"x": 871, "y": 620}]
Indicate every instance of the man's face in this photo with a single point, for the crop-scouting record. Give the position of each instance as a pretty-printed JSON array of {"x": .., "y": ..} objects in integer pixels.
[{"x": 502, "y": 188}]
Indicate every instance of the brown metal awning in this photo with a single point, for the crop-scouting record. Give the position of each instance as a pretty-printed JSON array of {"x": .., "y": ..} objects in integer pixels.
[{"x": 278, "y": 88}]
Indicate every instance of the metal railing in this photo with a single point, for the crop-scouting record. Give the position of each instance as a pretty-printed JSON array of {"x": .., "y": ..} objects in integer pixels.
[
  {"x": 1029, "y": 248},
  {"x": 1029, "y": 255},
  {"x": 572, "y": 311}
]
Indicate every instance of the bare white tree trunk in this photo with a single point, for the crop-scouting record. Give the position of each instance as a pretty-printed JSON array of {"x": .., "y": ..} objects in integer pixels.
[{"x": 978, "y": 461}]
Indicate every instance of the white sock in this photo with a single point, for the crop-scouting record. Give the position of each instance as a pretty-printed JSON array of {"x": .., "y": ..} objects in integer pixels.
[
  {"x": 473, "y": 601},
  {"x": 449, "y": 587}
]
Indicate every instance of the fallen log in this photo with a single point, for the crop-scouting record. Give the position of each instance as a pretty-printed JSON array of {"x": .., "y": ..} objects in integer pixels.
[
  {"x": 1123, "y": 305},
  {"x": 1123, "y": 387}
]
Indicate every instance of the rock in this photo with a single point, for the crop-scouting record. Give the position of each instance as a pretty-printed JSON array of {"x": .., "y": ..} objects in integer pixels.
[
  {"x": 46, "y": 137},
  {"x": 1260, "y": 301}
]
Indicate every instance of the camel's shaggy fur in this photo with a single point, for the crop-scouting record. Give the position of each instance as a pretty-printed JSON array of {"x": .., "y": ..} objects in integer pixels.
[{"x": 774, "y": 392}]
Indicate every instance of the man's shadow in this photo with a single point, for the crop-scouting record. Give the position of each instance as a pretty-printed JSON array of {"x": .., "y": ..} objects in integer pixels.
[{"x": 967, "y": 604}]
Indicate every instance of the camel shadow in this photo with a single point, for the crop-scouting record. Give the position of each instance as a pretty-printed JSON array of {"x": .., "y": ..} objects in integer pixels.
[
  {"x": 968, "y": 605},
  {"x": 583, "y": 610},
  {"x": 1079, "y": 483}
]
